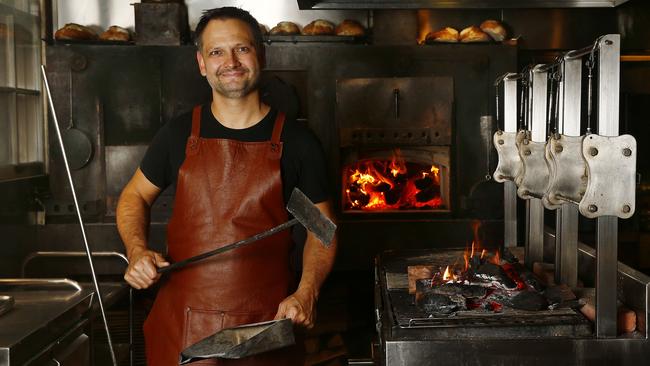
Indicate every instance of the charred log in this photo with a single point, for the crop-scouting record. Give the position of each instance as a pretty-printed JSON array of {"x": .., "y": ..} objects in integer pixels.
[
  {"x": 495, "y": 274},
  {"x": 528, "y": 300}
]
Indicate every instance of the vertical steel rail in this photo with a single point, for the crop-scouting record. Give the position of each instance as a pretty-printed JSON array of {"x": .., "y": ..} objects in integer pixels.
[
  {"x": 607, "y": 226},
  {"x": 535, "y": 222},
  {"x": 509, "y": 187},
  {"x": 567, "y": 246},
  {"x": 81, "y": 223}
]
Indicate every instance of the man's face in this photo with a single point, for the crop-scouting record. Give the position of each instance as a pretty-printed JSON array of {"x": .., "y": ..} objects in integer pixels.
[{"x": 228, "y": 58}]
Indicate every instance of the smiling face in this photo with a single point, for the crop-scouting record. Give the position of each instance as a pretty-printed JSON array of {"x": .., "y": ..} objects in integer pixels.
[{"x": 228, "y": 58}]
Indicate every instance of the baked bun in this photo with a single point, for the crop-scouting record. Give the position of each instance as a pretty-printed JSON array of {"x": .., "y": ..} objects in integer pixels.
[
  {"x": 350, "y": 28},
  {"x": 72, "y": 31},
  {"x": 447, "y": 34},
  {"x": 319, "y": 27},
  {"x": 285, "y": 29},
  {"x": 473, "y": 34},
  {"x": 494, "y": 29},
  {"x": 115, "y": 33}
]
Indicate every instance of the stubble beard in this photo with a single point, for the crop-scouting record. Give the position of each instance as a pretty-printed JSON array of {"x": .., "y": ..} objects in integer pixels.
[{"x": 235, "y": 91}]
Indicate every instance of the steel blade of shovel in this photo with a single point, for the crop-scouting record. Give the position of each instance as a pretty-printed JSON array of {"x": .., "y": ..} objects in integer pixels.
[
  {"x": 311, "y": 217},
  {"x": 241, "y": 341},
  {"x": 304, "y": 212}
]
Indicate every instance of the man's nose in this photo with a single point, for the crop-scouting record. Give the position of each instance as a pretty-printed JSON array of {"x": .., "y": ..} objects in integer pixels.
[{"x": 232, "y": 59}]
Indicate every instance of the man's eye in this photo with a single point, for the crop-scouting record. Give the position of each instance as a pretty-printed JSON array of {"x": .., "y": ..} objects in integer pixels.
[
  {"x": 243, "y": 49},
  {"x": 216, "y": 53}
]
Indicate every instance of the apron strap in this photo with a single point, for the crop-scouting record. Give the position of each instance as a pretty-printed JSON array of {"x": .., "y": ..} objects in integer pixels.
[
  {"x": 277, "y": 128},
  {"x": 196, "y": 121},
  {"x": 193, "y": 141}
]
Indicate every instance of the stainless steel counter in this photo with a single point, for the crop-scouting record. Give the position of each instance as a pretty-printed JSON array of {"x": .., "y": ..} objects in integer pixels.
[{"x": 41, "y": 315}]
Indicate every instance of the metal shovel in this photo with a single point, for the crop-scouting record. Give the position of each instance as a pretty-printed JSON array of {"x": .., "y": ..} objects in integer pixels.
[
  {"x": 242, "y": 341},
  {"x": 303, "y": 211}
]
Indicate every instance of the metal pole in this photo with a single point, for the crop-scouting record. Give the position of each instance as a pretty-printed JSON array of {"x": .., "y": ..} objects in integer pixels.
[
  {"x": 509, "y": 187},
  {"x": 81, "y": 223},
  {"x": 535, "y": 222},
  {"x": 607, "y": 237},
  {"x": 567, "y": 261}
]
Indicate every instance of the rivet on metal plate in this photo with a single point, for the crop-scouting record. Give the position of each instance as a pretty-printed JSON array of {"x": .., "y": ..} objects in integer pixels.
[
  {"x": 526, "y": 152},
  {"x": 626, "y": 208},
  {"x": 500, "y": 142},
  {"x": 627, "y": 151},
  {"x": 559, "y": 148},
  {"x": 592, "y": 208},
  {"x": 593, "y": 151}
]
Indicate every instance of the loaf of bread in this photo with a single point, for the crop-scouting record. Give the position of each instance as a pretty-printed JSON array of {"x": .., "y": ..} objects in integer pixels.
[
  {"x": 318, "y": 27},
  {"x": 116, "y": 33},
  {"x": 73, "y": 31},
  {"x": 350, "y": 28},
  {"x": 285, "y": 29},
  {"x": 494, "y": 29},
  {"x": 473, "y": 34},
  {"x": 447, "y": 34}
]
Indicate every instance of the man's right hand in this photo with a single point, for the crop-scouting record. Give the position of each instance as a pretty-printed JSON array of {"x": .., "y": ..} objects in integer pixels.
[{"x": 143, "y": 264}]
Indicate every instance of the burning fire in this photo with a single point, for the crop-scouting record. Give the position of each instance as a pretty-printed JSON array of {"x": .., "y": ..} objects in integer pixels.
[
  {"x": 472, "y": 257},
  {"x": 374, "y": 185}
]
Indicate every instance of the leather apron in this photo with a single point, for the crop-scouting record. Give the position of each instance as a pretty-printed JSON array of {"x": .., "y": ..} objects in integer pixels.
[{"x": 227, "y": 190}]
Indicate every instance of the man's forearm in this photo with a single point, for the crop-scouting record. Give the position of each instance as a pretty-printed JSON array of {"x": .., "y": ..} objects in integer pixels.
[
  {"x": 318, "y": 260},
  {"x": 317, "y": 264},
  {"x": 133, "y": 222}
]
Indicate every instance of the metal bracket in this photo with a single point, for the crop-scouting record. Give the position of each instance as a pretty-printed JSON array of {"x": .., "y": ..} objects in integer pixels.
[
  {"x": 509, "y": 166},
  {"x": 534, "y": 178},
  {"x": 611, "y": 166},
  {"x": 552, "y": 174},
  {"x": 570, "y": 180}
]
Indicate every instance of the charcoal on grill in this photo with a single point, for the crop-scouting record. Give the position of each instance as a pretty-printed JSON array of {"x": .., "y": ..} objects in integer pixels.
[
  {"x": 495, "y": 274},
  {"x": 433, "y": 303},
  {"x": 528, "y": 300},
  {"x": 432, "y": 300},
  {"x": 466, "y": 291},
  {"x": 559, "y": 294},
  {"x": 528, "y": 277}
]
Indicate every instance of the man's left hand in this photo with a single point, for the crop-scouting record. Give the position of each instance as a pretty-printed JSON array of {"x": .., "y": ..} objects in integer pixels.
[{"x": 299, "y": 307}]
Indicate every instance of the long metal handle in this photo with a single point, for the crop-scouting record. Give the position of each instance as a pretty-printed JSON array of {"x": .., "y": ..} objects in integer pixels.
[
  {"x": 228, "y": 247},
  {"x": 81, "y": 223}
]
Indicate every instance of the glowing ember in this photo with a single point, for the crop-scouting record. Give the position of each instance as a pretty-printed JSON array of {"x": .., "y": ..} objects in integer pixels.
[{"x": 374, "y": 185}]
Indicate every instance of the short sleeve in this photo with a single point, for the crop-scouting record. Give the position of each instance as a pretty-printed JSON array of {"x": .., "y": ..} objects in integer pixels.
[
  {"x": 156, "y": 162},
  {"x": 312, "y": 176}
]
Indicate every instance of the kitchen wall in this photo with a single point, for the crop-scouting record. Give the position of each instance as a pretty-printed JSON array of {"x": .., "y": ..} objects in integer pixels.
[{"x": 102, "y": 14}]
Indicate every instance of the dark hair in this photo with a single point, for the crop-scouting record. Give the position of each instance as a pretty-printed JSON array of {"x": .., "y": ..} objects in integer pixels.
[{"x": 231, "y": 12}]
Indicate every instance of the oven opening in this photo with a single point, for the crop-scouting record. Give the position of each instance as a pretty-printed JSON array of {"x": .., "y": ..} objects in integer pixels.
[{"x": 391, "y": 180}]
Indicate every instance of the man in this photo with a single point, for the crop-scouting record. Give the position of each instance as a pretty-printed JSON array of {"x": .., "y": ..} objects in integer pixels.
[{"x": 234, "y": 163}]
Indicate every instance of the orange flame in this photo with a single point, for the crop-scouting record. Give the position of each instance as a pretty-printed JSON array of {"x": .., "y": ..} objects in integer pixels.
[
  {"x": 449, "y": 275},
  {"x": 370, "y": 182},
  {"x": 497, "y": 258}
]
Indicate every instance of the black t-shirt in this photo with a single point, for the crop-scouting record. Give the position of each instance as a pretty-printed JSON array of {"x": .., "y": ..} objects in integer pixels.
[{"x": 302, "y": 163}]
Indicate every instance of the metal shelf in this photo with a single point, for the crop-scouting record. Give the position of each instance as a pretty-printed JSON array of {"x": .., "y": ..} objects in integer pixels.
[{"x": 454, "y": 4}]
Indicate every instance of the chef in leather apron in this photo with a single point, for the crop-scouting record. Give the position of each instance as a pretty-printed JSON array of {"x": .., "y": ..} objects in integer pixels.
[
  {"x": 220, "y": 199},
  {"x": 226, "y": 190}
]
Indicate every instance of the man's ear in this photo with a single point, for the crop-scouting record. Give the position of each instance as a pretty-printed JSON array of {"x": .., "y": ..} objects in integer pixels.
[{"x": 199, "y": 60}]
